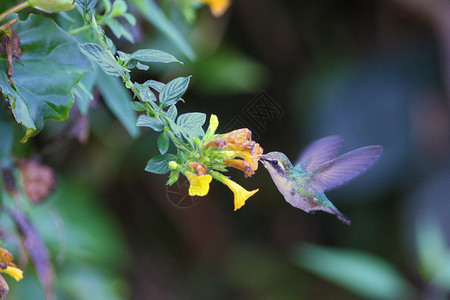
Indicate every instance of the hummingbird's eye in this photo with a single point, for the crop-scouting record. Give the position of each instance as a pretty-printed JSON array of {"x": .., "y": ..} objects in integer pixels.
[{"x": 274, "y": 162}]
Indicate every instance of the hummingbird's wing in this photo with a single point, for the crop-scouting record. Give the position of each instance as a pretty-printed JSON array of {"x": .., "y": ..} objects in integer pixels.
[
  {"x": 342, "y": 169},
  {"x": 319, "y": 152}
]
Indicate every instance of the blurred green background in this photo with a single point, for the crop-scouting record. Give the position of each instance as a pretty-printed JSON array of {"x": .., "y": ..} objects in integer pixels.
[{"x": 375, "y": 72}]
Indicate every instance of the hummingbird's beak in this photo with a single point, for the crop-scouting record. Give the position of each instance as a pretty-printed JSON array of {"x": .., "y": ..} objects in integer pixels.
[{"x": 263, "y": 158}]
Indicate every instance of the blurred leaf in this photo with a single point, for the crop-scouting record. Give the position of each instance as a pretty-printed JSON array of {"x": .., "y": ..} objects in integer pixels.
[
  {"x": 229, "y": 71},
  {"x": 155, "y": 15},
  {"x": 163, "y": 142},
  {"x": 47, "y": 51},
  {"x": 6, "y": 135},
  {"x": 159, "y": 164},
  {"x": 118, "y": 29},
  {"x": 98, "y": 55},
  {"x": 172, "y": 91},
  {"x": 117, "y": 98},
  {"x": 83, "y": 91},
  {"x": 430, "y": 244},
  {"x": 147, "y": 121},
  {"x": 363, "y": 274}
]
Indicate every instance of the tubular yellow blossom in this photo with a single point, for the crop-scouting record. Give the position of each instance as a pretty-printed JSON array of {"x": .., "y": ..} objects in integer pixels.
[
  {"x": 218, "y": 7},
  {"x": 14, "y": 272},
  {"x": 240, "y": 194},
  {"x": 199, "y": 185},
  {"x": 240, "y": 164},
  {"x": 213, "y": 123}
]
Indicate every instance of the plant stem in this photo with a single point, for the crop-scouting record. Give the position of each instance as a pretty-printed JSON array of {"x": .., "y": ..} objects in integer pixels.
[{"x": 13, "y": 9}]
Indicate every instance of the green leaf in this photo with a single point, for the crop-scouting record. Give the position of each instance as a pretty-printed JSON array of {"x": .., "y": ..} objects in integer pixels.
[
  {"x": 172, "y": 112},
  {"x": 51, "y": 66},
  {"x": 83, "y": 91},
  {"x": 97, "y": 54},
  {"x": 153, "y": 56},
  {"x": 116, "y": 98},
  {"x": 118, "y": 29},
  {"x": 87, "y": 5},
  {"x": 172, "y": 91},
  {"x": 147, "y": 121},
  {"x": 364, "y": 274},
  {"x": 159, "y": 164},
  {"x": 144, "y": 92},
  {"x": 192, "y": 123},
  {"x": 156, "y": 85},
  {"x": 136, "y": 106},
  {"x": 156, "y": 16},
  {"x": 6, "y": 135},
  {"x": 142, "y": 66},
  {"x": 163, "y": 142}
]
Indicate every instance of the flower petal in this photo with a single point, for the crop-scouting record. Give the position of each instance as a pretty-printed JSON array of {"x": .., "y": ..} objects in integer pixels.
[
  {"x": 14, "y": 272},
  {"x": 240, "y": 194},
  {"x": 199, "y": 185}
]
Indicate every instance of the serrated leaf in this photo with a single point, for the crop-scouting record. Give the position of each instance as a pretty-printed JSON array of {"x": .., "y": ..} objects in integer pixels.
[
  {"x": 136, "y": 106},
  {"x": 156, "y": 85},
  {"x": 159, "y": 164},
  {"x": 163, "y": 142},
  {"x": 116, "y": 97},
  {"x": 48, "y": 52},
  {"x": 147, "y": 121},
  {"x": 172, "y": 112},
  {"x": 98, "y": 55},
  {"x": 153, "y": 56},
  {"x": 86, "y": 5},
  {"x": 156, "y": 16},
  {"x": 172, "y": 91}
]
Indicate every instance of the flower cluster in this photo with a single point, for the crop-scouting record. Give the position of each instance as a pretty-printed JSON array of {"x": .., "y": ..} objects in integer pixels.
[
  {"x": 217, "y": 152},
  {"x": 8, "y": 267}
]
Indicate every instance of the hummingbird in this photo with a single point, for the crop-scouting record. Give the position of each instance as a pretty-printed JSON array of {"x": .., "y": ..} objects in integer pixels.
[{"x": 318, "y": 170}]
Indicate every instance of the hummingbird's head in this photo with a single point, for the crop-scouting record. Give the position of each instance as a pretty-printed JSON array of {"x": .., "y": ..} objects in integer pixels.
[{"x": 276, "y": 163}]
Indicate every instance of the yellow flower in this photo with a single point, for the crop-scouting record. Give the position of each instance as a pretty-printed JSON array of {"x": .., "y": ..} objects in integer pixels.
[
  {"x": 199, "y": 185},
  {"x": 240, "y": 194},
  {"x": 14, "y": 272},
  {"x": 218, "y": 7},
  {"x": 213, "y": 123}
]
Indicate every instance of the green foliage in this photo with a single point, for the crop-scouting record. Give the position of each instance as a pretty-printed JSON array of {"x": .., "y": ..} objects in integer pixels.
[
  {"x": 361, "y": 273},
  {"x": 172, "y": 91},
  {"x": 48, "y": 51},
  {"x": 147, "y": 121},
  {"x": 163, "y": 143},
  {"x": 87, "y": 5},
  {"x": 192, "y": 123},
  {"x": 159, "y": 164},
  {"x": 106, "y": 61},
  {"x": 155, "y": 15},
  {"x": 117, "y": 99}
]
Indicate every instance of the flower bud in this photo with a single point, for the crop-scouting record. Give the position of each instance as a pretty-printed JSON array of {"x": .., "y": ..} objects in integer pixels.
[
  {"x": 52, "y": 6},
  {"x": 173, "y": 165}
]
